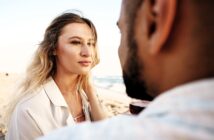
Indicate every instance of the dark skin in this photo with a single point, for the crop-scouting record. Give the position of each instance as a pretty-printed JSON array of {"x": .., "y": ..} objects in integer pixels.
[{"x": 174, "y": 46}]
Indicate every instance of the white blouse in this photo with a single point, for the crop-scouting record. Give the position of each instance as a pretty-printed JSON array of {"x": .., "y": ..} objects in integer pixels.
[{"x": 41, "y": 112}]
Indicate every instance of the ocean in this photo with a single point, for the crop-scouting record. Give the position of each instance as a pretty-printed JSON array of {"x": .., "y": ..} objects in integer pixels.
[{"x": 112, "y": 83}]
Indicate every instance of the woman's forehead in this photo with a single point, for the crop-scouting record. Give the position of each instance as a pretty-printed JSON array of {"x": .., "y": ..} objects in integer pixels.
[{"x": 78, "y": 30}]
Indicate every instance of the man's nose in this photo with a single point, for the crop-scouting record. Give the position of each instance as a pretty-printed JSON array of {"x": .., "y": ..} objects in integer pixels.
[{"x": 85, "y": 51}]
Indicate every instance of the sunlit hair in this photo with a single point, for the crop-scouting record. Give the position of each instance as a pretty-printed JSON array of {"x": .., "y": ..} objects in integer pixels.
[{"x": 43, "y": 65}]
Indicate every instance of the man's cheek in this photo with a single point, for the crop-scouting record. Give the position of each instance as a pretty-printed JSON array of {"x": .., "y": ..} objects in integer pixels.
[{"x": 123, "y": 56}]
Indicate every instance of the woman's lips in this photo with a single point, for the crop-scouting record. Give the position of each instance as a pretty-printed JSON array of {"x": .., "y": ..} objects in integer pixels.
[{"x": 84, "y": 63}]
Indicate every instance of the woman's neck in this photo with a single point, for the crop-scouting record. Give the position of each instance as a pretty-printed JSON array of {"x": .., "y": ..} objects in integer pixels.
[{"x": 66, "y": 83}]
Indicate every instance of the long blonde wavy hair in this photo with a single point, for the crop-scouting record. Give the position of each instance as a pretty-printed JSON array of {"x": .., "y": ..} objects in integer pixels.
[{"x": 44, "y": 62}]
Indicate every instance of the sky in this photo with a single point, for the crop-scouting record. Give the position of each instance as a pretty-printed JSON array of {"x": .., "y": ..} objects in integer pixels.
[{"x": 23, "y": 23}]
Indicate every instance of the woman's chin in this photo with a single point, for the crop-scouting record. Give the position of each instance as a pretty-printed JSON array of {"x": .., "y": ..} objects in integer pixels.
[{"x": 84, "y": 72}]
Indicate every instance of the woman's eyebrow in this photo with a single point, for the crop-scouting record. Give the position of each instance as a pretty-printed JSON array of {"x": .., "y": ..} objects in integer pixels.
[{"x": 75, "y": 37}]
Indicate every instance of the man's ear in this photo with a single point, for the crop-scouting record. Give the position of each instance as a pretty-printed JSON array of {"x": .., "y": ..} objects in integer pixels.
[{"x": 160, "y": 17}]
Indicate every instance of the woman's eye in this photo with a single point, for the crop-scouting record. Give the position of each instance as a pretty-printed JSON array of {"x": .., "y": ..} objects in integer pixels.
[
  {"x": 91, "y": 44},
  {"x": 75, "y": 42}
]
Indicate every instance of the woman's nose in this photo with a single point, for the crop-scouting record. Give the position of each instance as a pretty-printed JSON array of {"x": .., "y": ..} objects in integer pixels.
[{"x": 85, "y": 51}]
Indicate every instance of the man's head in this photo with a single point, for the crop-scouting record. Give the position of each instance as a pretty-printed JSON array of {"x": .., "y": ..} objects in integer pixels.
[
  {"x": 164, "y": 44},
  {"x": 127, "y": 51}
]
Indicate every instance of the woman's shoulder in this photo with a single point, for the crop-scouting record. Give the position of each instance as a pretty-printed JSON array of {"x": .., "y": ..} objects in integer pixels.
[{"x": 34, "y": 100}]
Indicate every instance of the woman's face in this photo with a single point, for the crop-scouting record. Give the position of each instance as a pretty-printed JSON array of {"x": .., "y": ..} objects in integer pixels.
[{"x": 75, "y": 49}]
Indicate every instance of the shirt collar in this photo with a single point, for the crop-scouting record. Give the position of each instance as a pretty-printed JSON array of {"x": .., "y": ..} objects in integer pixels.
[{"x": 53, "y": 93}]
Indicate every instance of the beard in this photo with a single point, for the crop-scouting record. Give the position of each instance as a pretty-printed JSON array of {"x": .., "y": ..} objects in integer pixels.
[{"x": 135, "y": 87}]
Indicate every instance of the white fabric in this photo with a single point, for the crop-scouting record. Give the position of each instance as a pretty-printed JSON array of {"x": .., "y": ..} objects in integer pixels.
[
  {"x": 41, "y": 112},
  {"x": 185, "y": 112}
]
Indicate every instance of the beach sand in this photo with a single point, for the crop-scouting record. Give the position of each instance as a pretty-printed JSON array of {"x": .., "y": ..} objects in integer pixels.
[{"x": 115, "y": 103}]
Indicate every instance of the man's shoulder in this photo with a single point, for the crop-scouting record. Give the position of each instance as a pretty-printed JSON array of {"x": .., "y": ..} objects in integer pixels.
[{"x": 118, "y": 127}]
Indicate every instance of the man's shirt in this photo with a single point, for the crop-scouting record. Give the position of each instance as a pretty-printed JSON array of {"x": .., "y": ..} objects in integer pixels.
[{"x": 185, "y": 112}]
